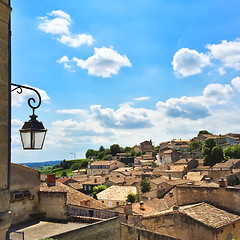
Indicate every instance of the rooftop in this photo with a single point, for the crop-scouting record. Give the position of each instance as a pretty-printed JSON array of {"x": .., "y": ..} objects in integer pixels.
[
  {"x": 103, "y": 162},
  {"x": 209, "y": 215},
  {"x": 74, "y": 197},
  {"x": 116, "y": 193}
]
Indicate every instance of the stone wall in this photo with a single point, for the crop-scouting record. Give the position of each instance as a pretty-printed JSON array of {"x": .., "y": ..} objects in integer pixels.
[
  {"x": 5, "y": 115},
  {"x": 24, "y": 182},
  {"x": 226, "y": 198},
  {"x": 134, "y": 233},
  {"x": 104, "y": 230},
  {"x": 111, "y": 230},
  {"x": 54, "y": 204}
]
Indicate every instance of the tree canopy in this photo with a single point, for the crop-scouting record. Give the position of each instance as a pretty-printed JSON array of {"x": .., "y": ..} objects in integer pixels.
[
  {"x": 131, "y": 197},
  {"x": 212, "y": 154},
  {"x": 195, "y": 145},
  {"x": 145, "y": 185},
  {"x": 203, "y": 132},
  {"x": 232, "y": 151}
]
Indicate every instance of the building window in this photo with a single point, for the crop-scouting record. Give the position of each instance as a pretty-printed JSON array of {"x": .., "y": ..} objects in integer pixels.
[
  {"x": 16, "y": 196},
  {"x": 117, "y": 203},
  {"x": 102, "y": 201}
]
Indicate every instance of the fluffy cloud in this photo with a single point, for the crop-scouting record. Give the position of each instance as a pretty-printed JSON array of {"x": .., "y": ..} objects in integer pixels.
[
  {"x": 236, "y": 83},
  {"x": 59, "y": 24},
  {"x": 54, "y": 26},
  {"x": 184, "y": 107},
  {"x": 188, "y": 62},
  {"x": 104, "y": 63},
  {"x": 18, "y": 99},
  {"x": 60, "y": 13},
  {"x": 76, "y": 40},
  {"x": 197, "y": 107},
  {"x": 124, "y": 117},
  {"x": 217, "y": 93},
  {"x": 227, "y": 52}
]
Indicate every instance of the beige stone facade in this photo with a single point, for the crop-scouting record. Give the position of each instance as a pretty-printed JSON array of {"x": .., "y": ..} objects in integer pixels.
[
  {"x": 24, "y": 192},
  {"x": 103, "y": 167},
  {"x": 5, "y": 80}
]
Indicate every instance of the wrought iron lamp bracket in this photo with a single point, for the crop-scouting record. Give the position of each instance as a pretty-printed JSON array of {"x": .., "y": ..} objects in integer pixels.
[{"x": 19, "y": 89}]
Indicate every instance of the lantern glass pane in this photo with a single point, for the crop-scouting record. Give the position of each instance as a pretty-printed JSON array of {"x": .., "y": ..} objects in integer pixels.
[
  {"x": 38, "y": 139},
  {"x": 26, "y": 139}
]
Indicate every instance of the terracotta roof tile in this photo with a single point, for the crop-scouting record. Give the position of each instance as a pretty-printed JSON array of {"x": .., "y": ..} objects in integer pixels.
[
  {"x": 74, "y": 197},
  {"x": 116, "y": 193},
  {"x": 209, "y": 215}
]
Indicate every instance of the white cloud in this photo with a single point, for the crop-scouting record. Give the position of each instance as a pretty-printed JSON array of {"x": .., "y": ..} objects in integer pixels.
[
  {"x": 18, "y": 99},
  {"x": 188, "y": 62},
  {"x": 63, "y": 59},
  {"x": 217, "y": 93},
  {"x": 141, "y": 98},
  {"x": 55, "y": 26},
  {"x": 124, "y": 117},
  {"x": 60, "y": 13},
  {"x": 76, "y": 40},
  {"x": 59, "y": 24},
  {"x": 227, "y": 52},
  {"x": 221, "y": 70},
  {"x": 236, "y": 83},
  {"x": 104, "y": 63},
  {"x": 184, "y": 107},
  {"x": 196, "y": 107}
]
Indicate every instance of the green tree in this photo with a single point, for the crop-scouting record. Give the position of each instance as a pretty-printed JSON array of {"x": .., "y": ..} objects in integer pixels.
[
  {"x": 115, "y": 148},
  {"x": 101, "y": 149},
  {"x": 90, "y": 153},
  {"x": 76, "y": 166},
  {"x": 157, "y": 148},
  {"x": 131, "y": 197},
  {"x": 101, "y": 155},
  {"x": 64, "y": 174},
  {"x": 228, "y": 152},
  {"x": 196, "y": 145},
  {"x": 217, "y": 154},
  {"x": 98, "y": 189},
  {"x": 106, "y": 157},
  {"x": 203, "y": 132},
  {"x": 84, "y": 163},
  {"x": 235, "y": 181},
  {"x": 145, "y": 185},
  {"x": 212, "y": 154}
]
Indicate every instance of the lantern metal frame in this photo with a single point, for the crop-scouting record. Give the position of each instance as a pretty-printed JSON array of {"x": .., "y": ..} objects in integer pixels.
[{"x": 33, "y": 126}]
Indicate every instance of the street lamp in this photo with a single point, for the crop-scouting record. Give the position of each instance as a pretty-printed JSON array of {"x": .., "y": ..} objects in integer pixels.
[{"x": 32, "y": 132}]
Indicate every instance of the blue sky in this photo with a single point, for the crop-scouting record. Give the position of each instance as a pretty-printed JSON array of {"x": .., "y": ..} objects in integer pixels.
[{"x": 124, "y": 71}]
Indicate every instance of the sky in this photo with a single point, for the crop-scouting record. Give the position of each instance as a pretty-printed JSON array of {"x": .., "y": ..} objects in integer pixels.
[{"x": 124, "y": 72}]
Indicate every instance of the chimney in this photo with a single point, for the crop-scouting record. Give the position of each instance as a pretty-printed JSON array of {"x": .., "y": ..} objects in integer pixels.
[
  {"x": 128, "y": 209},
  {"x": 51, "y": 180},
  {"x": 222, "y": 182},
  {"x": 142, "y": 205},
  {"x": 207, "y": 179}
]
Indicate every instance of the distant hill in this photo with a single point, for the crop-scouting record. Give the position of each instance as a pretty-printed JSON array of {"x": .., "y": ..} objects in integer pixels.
[{"x": 41, "y": 164}]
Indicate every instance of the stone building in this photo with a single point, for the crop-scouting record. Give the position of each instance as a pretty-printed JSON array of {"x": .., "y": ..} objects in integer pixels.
[
  {"x": 197, "y": 221},
  {"x": 5, "y": 114},
  {"x": 116, "y": 195},
  {"x": 103, "y": 167},
  {"x": 24, "y": 192},
  {"x": 146, "y": 146}
]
